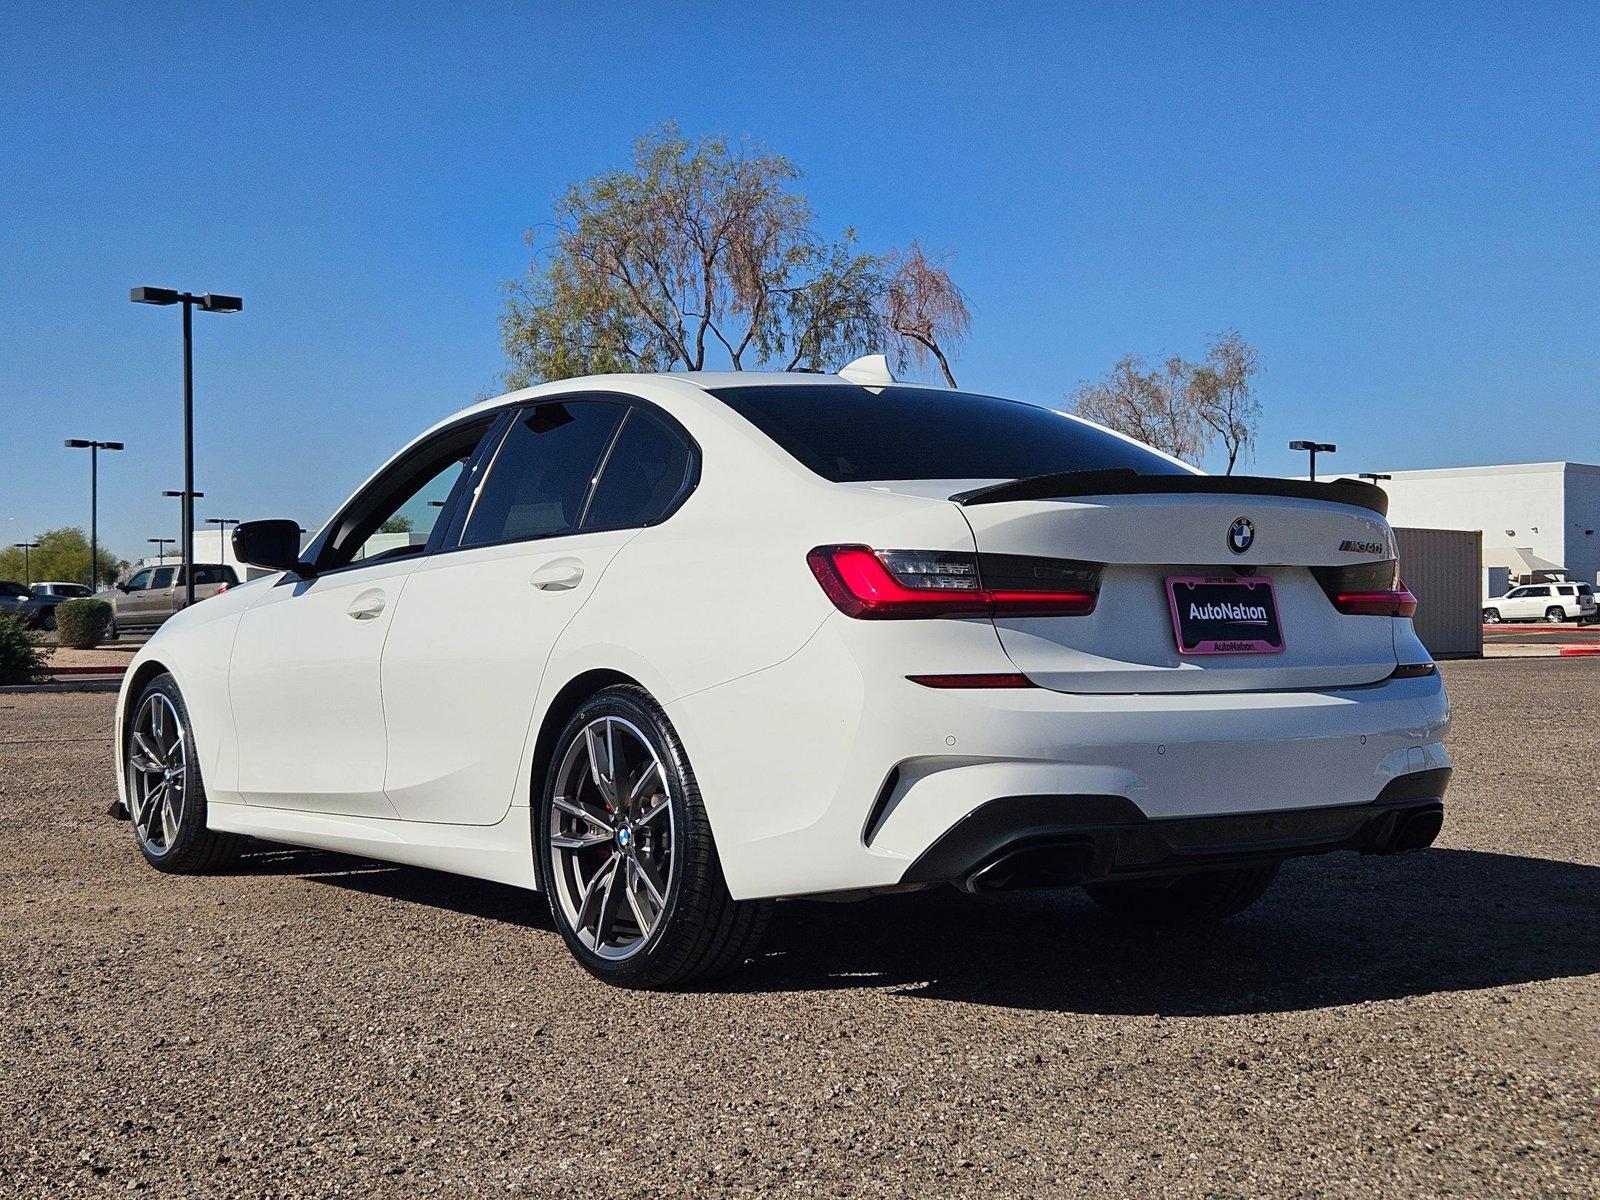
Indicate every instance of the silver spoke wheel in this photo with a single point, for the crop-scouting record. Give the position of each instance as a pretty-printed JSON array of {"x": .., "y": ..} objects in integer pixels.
[
  {"x": 611, "y": 837},
  {"x": 157, "y": 774}
]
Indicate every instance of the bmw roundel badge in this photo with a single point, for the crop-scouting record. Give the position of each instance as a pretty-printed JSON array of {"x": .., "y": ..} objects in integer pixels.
[{"x": 1241, "y": 535}]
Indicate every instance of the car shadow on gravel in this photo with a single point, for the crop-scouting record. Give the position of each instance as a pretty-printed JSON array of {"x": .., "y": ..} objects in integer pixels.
[
  {"x": 413, "y": 885},
  {"x": 1332, "y": 931}
]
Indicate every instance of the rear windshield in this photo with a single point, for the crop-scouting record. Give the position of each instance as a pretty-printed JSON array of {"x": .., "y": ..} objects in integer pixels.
[{"x": 854, "y": 434}]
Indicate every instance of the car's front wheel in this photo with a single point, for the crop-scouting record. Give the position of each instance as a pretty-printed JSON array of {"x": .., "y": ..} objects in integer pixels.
[
  {"x": 166, "y": 796},
  {"x": 625, "y": 854},
  {"x": 1195, "y": 899}
]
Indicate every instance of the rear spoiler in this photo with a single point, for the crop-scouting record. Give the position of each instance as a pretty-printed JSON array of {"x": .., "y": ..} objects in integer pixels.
[{"x": 1125, "y": 482}]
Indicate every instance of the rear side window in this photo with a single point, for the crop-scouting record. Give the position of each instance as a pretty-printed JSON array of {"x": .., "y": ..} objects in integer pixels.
[
  {"x": 541, "y": 474},
  {"x": 854, "y": 434},
  {"x": 162, "y": 577},
  {"x": 205, "y": 575},
  {"x": 643, "y": 476}
]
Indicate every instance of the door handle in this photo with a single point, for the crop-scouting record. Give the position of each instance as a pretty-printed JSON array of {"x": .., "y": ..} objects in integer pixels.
[
  {"x": 558, "y": 575},
  {"x": 367, "y": 605}
]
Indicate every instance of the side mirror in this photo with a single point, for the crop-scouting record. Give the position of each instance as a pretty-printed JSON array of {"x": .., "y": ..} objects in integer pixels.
[{"x": 274, "y": 545}]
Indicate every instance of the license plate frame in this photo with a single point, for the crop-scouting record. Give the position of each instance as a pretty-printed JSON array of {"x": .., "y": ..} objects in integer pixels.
[{"x": 1205, "y": 628}]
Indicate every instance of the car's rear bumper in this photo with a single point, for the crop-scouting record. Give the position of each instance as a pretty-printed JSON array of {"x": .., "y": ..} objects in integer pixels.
[
  {"x": 833, "y": 772},
  {"x": 1036, "y": 841}
]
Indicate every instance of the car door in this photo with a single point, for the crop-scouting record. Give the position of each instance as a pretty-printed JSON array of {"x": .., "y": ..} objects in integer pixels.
[
  {"x": 304, "y": 676},
  {"x": 125, "y": 600},
  {"x": 571, "y": 483},
  {"x": 152, "y": 604}
]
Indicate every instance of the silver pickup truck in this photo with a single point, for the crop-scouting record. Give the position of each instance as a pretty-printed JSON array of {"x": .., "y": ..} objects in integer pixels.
[{"x": 152, "y": 594}]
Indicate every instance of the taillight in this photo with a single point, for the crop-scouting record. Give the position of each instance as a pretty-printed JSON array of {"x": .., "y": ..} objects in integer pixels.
[
  {"x": 1367, "y": 589},
  {"x": 888, "y": 584}
]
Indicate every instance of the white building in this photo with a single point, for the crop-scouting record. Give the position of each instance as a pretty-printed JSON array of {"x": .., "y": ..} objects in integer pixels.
[{"x": 1546, "y": 511}]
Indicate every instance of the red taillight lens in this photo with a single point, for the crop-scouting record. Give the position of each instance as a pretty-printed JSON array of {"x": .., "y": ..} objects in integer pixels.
[
  {"x": 888, "y": 584},
  {"x": 973, "y": 681},
  {"x": 1367, "y": 589},
  {"x": 1398, "y": 603}
]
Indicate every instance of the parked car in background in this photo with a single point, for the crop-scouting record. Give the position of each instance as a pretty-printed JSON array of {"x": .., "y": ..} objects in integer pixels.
[
  {"x": 152, "y": 594},
  {"x": 1553, "y": 602},
  {"x": 39, "y": 609},
  {"x": 12, "y": 597}
]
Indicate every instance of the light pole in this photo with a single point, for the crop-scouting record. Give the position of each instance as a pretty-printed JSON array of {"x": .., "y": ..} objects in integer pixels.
[
  {"x": 207, "y": 303},
  {"x": 27, "y": 572},
  {"x": 161, "y": 545},
  {"x": 1313, "y": 448},
  {"x": 185, "y": 509},
  {"x": 94, "y": 449},
  {"x": 222, "y": 524}
]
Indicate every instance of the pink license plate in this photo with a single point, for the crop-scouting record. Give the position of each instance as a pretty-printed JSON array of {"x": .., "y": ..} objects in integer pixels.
[{"x": 1224, "y": 614}]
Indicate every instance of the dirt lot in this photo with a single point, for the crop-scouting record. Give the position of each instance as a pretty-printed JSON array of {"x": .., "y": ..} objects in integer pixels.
[{"x": 317, "y": 1026}]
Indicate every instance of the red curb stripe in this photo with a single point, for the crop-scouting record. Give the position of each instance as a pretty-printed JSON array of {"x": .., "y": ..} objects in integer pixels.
[
  {"x": 1578, "y": 651},
  {"x": 106, "y": 670}
]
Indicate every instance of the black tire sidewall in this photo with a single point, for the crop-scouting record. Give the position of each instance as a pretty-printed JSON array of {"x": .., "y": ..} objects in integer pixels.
[
  {"x": 192, "y": 821},
  {"x": 634, "y": 706}
]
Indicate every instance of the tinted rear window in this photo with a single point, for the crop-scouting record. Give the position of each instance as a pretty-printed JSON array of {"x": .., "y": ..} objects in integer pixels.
[{"x": 850, "y": 435}]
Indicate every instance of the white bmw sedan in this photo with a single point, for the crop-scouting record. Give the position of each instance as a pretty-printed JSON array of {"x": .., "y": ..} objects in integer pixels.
[{"x": 667, "y": 648}]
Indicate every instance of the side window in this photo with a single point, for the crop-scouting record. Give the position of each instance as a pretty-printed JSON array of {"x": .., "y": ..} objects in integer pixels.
[
  {"x": 205, "y": 575},
  {"x": 642, "y": 475},
  {"x": 542, "y": 472},
  {"x": 163, "y": 577},
  {"x": 139, "y": 581},
  {"x": 395, "y": 515}
]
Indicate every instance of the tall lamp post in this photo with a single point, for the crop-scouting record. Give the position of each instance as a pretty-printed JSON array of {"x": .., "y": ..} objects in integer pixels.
[
  {"x": 94, "y": 449},
  {"x": 27, "y": 571},
  {"x": 186, "y": 509},
  {"x": 222, "y": 524},
  {"x": 161, "y": 545},
  {"x": 206, "y": 303},
  {"x": 1313, "y": 448}
]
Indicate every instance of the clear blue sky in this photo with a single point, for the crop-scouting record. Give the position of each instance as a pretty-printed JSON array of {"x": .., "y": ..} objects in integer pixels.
[{"x": 1398, "y": 209}]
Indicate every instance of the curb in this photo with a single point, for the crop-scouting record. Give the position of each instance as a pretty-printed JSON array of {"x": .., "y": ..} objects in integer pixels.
[
  {"x": 66, "y": 685},
  {"x": 1579, "y": 651}
]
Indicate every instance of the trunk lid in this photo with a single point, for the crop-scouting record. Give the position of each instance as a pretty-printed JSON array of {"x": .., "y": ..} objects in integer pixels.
[{"x": 1128, "y": 643}]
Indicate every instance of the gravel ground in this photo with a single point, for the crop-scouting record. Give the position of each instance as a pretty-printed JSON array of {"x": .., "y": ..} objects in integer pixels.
[{"x": 314, "y": 1025}]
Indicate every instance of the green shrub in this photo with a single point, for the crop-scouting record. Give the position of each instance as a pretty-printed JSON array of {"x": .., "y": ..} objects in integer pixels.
[
  {"x": 82, "y": 624},
  {"x": 20, "y": 658}
]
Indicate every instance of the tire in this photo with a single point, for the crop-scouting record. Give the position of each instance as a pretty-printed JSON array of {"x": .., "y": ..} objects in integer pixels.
[
  {"x": 1198, "y": 899},
  {"x": 169, "y": 824},
  {"x": 1491, "y": 616},
  {"x": 113, "y": 633},
  {"x": 1555, "y": 614},
  {"x": 697, "y": 930},
  {"x": 47, "y": 620}
]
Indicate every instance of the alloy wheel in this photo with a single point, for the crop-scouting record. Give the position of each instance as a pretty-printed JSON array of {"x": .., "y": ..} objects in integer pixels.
[
  {"x": 158, "y": 766},
  {"x": 612, "y": 838}
]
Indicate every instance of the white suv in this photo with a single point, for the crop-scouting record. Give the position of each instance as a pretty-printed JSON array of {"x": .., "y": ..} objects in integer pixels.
[{"x": 1552, "y": 602}]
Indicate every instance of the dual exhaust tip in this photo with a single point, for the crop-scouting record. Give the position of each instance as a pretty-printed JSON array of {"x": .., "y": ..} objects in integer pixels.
[{"x": 1063, "y": 862}]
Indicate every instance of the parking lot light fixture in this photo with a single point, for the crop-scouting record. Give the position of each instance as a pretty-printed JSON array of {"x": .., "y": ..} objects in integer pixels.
[
  {"x": 161, "y": 545},
  {"x": 1373, "y": 477},
  {"x": 206, "y": 302},
  {"x": 27, "y": 570},
  {"x": 94, "y": 448},
  {"x": 1314, "y": 448}
]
